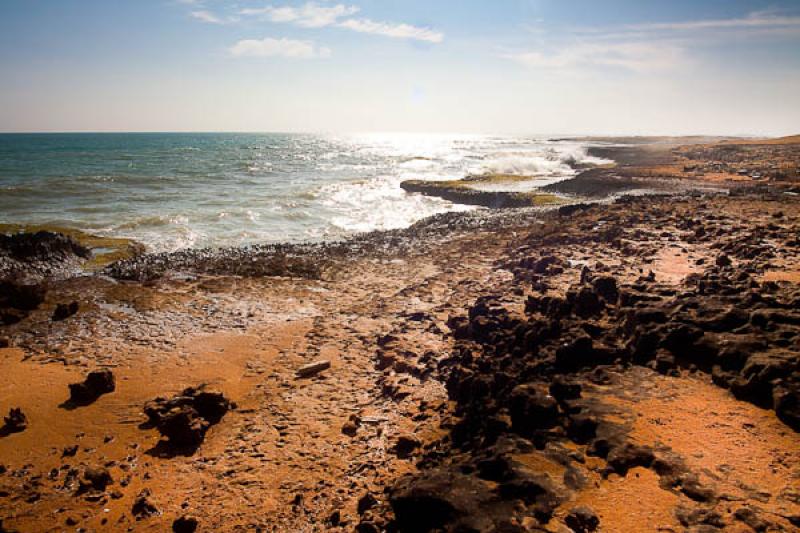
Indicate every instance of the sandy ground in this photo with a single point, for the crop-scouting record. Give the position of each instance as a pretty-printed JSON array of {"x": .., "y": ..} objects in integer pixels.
[{"x": 280, "y": 461}]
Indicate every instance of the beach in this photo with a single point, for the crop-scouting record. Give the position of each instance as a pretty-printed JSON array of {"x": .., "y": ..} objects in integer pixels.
[{"x": 614, "y": 349}]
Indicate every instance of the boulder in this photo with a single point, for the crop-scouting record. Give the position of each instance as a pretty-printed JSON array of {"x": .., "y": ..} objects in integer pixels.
[
  {"x": 95, "y": 385},
  {"x": 25, "y": 297},
  {"x": 95, "y": 479},
  {"x": 582, "y": 519},
  {"x": 622, "y": 458},
  {"x": 184, "y": 524},
  {"x": 64, "y": 311},
  {"x": 576, "y": 354},
  {"x": 185, "y": 419},
  {"x": 786, "y": 402},
  {"x": 586, "y": 302},
  {"x": 532, "y": 410},
  {"x": 441, "y": 499},
  {"x": 606, "y": 287}
]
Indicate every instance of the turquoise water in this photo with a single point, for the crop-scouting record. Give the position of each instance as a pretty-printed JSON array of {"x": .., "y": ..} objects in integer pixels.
[{"x": 176, "y": 190}]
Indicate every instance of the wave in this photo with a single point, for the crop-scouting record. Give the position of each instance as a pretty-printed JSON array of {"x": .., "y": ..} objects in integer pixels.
[{"x": 218, "y": 190}]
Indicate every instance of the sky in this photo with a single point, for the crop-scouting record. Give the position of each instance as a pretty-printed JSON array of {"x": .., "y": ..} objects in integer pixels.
[{"x": 729, "y": 67}]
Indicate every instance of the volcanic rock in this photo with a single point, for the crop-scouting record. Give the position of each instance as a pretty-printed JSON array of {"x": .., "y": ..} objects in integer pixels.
[
  {"x": 95, "y": 385},
  {"x": 185, "y": 418},
  {"x": 582, "y": 519},
  {"x": 16, "y": 421},
  {"x": 142, "y": 506},
  {"x": 64, "y": 311},
  {"x": 184, "y": 524}
]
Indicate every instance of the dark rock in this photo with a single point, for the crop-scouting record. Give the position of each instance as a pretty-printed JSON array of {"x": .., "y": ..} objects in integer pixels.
[
  {"x": 185, "y": 418},
  {"x": 537, "y": 491},
  {"x": 42, "y": 246},
  {"x": 406, "y": 445},
  {"x": 606, "y": 288},
  {"x": 749, "y": 517},
  {"x": 142, "y": 506},
  {"x": 586, "y": 303},
  {"x": 622, "y": 458},
  {"x": 664, "y": 362},
  {"x": 367, "y": 526},
  {"x": 576, "y": 354},
  {"x": 24, "y": 297},
  {"x": 727, "y": 320},
  {"x": 97, "y": 479},
  {"x": 680, "y": 338},
  {"x": 441, "y": 499},
  {"x": 350, "y": 428},
  {"x": 95, "y": 385},
  {"x": 581, "y": 428},
  {"x": 786, "y": 402},
  {"x": 699, "y": 517},
  {"x": 184, "y": 524},
  {"x": 649, "y": 315},
  {"x": 561, "y": 389},
  {"x": 64, "y": 311},
  {"x": 532, "y": 410},
  {"x": 755, "y": 382},
  {"x": 498, "y": 467},
  {"x": 366, "y": 502},
  {"x": 582, "y": 519},
  {"x": 691, "y": 486},
  {"x": 16, "y": 421},
  {"x": 69, "y": 451},
  {"x": 183, "y": 426},
  {"x": 723, "y": 260}
]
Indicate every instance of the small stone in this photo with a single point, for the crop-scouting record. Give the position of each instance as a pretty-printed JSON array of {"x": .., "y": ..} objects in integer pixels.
[
  {"x": 96, "y": 478},
  {"x": 366, "y": 502},
  {"x": 184, "y": 524},
  {"x": 64, "y": 311},
  {"x": 16, "y": 421},
  {"x": 406, "y": 444},
  {"x": 69, "y": 451},
  {"x": 143, "y": 507},
  {"x": 312, "y": 369},
  {"x": 350, "y": 428}
]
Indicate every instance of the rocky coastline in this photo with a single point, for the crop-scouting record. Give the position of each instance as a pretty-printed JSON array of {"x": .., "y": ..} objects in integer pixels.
[{"x": 616, "y": 363}]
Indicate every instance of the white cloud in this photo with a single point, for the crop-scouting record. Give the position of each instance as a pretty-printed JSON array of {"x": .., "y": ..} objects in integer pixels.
[
  {"x": 310, "y": 15},
  {"x": 758, "y": 19},
  {"x": 283, "y": 47},
  {"x": 401, "y": 31},
  {"x": 638, "y": 56},
  {"x": 313, "y": 15},
  {"x": 206, "y": 16},
  {"x": 647, "y": 47}
]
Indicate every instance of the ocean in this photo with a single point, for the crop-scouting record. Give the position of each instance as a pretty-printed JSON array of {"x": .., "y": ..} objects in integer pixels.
[{"x": 187, "y": 190}]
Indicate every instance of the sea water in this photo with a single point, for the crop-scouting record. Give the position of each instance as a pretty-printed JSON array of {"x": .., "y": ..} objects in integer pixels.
[{"x": 182, "y": 190}]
